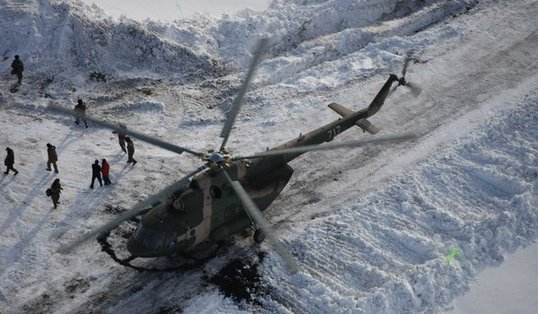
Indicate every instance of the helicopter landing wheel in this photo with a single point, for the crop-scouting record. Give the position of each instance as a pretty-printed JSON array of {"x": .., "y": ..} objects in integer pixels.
[{"x": 259, "y": 236}]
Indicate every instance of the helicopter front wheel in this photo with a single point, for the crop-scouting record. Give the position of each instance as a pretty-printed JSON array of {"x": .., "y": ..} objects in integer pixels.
[{"x": 259, "y": 236}]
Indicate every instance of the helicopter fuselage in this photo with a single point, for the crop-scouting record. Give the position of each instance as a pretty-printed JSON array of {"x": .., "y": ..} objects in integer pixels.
[{"x": 208, "y": 208}]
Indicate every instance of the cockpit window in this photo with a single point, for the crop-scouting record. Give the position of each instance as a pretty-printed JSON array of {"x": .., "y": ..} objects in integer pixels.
[{"x": 151, "y": 239}]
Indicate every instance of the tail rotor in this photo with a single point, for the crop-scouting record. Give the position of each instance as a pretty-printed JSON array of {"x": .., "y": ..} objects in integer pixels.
[{"x": 415, "y": 89}]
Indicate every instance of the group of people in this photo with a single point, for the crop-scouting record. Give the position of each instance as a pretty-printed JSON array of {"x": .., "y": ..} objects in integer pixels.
[
  {"x": 101, "y": 172},
  {"x": 97, "y": 170}
]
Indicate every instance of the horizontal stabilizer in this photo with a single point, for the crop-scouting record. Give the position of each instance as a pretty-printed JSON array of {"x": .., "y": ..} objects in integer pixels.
[
  {"x": 364, "y": 124},
  {"x": 367, "y": 126}
]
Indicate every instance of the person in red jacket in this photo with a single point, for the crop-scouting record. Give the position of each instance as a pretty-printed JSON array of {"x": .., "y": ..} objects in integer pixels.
[{"x": 105, "y": 170}]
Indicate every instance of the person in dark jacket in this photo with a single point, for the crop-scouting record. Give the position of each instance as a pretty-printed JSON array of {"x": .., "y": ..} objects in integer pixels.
[
  {"x": 121, "y": 137},
  {"x": 9, "y": 161},
  {"x": 17, "y": 67},
  {"x": 55, "y": 190},
  {"x": 130, "y": 150},
  {"x": 52, "y": 157},
  {"x": 105, "y": 169},
  {"x": 80, "y": 110},
  {"x": 96, "y": 173}
]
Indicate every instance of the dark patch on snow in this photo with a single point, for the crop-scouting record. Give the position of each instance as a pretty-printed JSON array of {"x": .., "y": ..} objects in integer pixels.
[
  {"x": 136, "y": 108},
  {"x": 97, "y": 77},
  {"x": 76, "y": 286},
  {"x": 41, "y": 305},
  {"x": 169, "y": 310},
  {"x": 113, "y": 209},
  {"x": 146, "y": 91},
  {"x": 240, "y": 280}
]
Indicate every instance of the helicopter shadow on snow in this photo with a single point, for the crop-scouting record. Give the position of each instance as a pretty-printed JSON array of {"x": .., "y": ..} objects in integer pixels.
[{"x": 234, "y": 271}]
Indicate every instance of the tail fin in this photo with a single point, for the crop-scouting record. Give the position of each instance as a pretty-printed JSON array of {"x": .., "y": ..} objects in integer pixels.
[
  {"x": 364, "y": 124},
  {"x": 371, "y": 110},
  {"x": 381, "y": 95}
]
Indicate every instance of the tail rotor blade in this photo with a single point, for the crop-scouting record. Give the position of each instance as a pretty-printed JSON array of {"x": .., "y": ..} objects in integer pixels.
[
  {"x": 415, "y": 89},
  {"x": 256, "y": 215}
]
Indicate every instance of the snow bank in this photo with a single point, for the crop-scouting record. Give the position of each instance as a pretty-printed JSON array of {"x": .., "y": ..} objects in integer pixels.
[
  {"x": 389, "y": 250},
  {"x": 61, "y": 38}
]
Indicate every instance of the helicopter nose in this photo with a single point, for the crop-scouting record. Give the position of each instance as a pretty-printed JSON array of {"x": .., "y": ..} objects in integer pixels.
[{"x": 136, "y": 248}]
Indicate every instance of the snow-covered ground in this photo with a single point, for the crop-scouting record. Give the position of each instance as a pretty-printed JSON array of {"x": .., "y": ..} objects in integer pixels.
[
  {"x": 401, "y": 228},
  {"x": 509, "y": 288},
  {"x": 168, "y": 10}
]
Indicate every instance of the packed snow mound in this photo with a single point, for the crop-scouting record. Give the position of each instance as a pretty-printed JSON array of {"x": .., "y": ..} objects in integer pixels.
[
  {"x": 299, "y": 27},
  {"x": 478, "y": 200},
  {"x": 52, "y": 37}
]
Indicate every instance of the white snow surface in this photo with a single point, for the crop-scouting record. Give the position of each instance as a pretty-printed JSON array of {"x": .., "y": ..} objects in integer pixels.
[
  {"x": 169, "y": 10},
  {"x": 509, "y": 288},
  {"x": 371, "y": 228}
]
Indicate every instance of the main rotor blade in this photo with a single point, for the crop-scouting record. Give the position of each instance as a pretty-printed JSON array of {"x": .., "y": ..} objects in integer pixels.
[
  {"x": 146, "y": 204},
  {"x": 238, "y": 101},
  {"x": 309, "y": 148},
  {"x": 256, "y": 215},
  {"x": 137, "y": 135}
]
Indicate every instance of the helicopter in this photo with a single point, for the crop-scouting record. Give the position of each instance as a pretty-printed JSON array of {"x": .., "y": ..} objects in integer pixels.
[{"x": 227, "y": 194}]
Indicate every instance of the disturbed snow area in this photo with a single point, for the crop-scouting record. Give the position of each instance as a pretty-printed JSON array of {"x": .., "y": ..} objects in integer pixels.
[{"x": 402, "y": 228}]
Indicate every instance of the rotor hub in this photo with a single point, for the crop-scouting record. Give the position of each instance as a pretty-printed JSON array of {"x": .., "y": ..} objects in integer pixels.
[
  {"x": 217, "y": 161},
  {"x": 216, "y": 158}
]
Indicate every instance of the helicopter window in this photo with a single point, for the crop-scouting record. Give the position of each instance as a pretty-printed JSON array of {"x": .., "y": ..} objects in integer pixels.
[
  {"x": 215, "y": 192},
  {"x": 152, "y": 239},
  {"x": 171, "y": 239},
  {"x": 178, "y": 204}
]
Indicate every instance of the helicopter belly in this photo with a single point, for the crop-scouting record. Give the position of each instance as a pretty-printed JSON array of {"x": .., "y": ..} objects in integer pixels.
[{"x": 267, "y": 187}]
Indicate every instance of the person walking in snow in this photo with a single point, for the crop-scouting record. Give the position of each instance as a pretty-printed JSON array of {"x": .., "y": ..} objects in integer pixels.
[
  {"x": 96, "y": 173},
  {"x": 17, "y": 67},
  {"x": 80, "y": 112},
  {"x": 55, "y": 191},
  {"x": 10, "y": 161},
  {"x": 121, "y": 137},
  {"x": 105, "y": 170},
  {"x": 52, "y": 157},
  {"x": 130, "y": 150}
]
